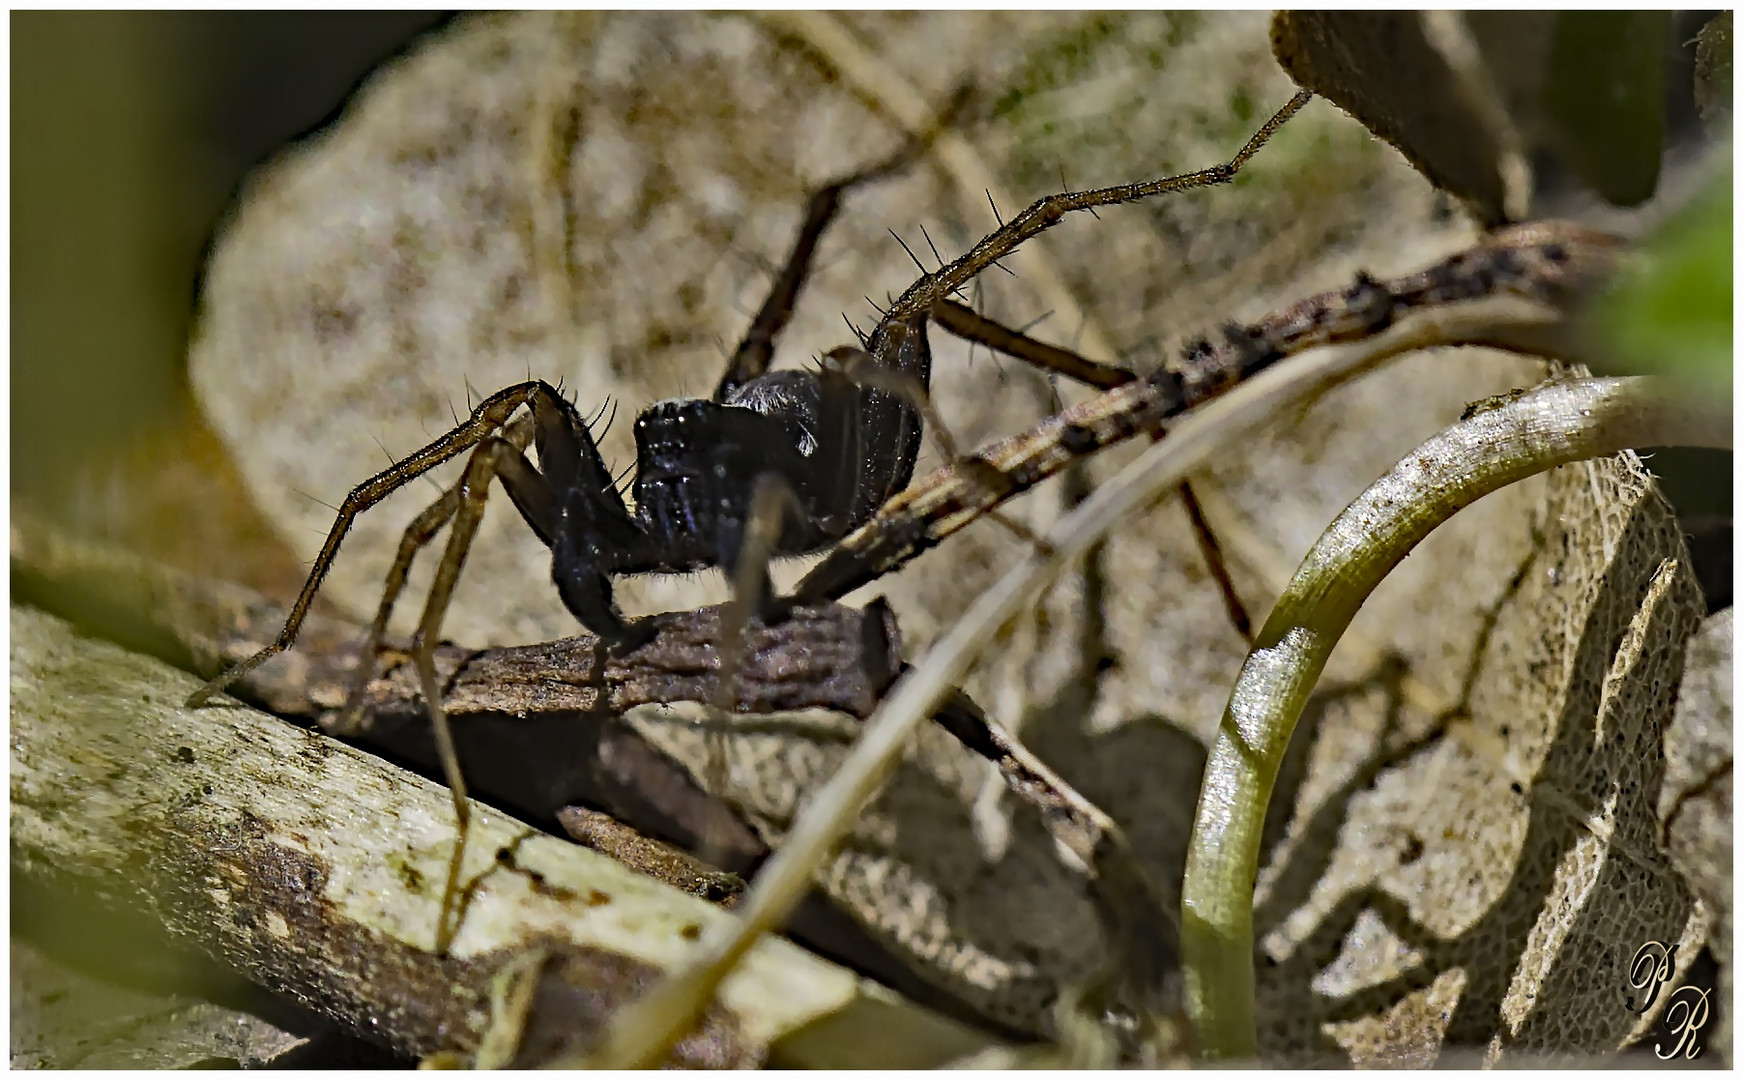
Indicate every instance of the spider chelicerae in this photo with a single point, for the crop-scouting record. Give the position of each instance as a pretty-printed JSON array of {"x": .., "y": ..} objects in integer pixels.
[{"x": 773, "y": 463}]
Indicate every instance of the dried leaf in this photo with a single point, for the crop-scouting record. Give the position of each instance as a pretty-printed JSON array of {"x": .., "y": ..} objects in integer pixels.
[{"x": 1385, "y": 69}]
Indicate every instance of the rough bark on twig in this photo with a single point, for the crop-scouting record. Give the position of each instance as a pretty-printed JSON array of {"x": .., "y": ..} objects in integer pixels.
[
  {"x": 317, "y": 871},
  {"x": 827, "y": 657}
]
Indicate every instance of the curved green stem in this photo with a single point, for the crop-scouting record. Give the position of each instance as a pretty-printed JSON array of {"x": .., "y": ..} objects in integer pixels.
[{"x": 1551, "y": 426}]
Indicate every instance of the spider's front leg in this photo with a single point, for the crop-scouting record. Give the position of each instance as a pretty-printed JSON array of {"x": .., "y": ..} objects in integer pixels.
[{"x": 486, "y": 420}]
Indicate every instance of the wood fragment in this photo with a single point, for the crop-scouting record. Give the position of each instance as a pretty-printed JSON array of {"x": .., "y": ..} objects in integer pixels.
[
  {"x": 316, "y": 869},
  {"x": 608, "y": 836},
  {"x": 823, "y": 656}
]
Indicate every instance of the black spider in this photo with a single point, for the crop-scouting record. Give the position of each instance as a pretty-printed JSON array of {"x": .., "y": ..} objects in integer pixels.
[
  {"x": 838, "y": 446},
  {"x": 803, "y": 456}
]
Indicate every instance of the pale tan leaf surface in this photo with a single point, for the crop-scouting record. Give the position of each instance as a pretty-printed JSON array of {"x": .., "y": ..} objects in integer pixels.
[
  {"x": 1696, "y": 803},
  {"x": 587, "y": 198}
]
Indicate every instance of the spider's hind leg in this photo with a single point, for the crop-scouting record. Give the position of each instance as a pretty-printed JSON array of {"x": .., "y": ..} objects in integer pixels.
[
  {"x": 1212, "y": 551},
  {"x": 752, "y": 357},
  {"x": 970, "y": 325},
  {"x": 494, "y": 458},
  {"x": 417, "y": 536},
  {"x": 773, "y": 505}
]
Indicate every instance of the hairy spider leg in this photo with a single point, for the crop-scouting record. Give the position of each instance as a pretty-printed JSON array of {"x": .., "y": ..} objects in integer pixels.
[
  {"x": 970, "y": 325},
  {"x": 486, "y": 419},
  {"x": 494, "y": 458},
  {"x": 572, "y": 463},
  {"x": 898, "y": 344},
  {"x": 1212, "y": 552},
  {"x": 967, "y": 323},
  {"x": 755, "y": 352},
  {"x": 1046, "y": 213},
  {"x": 847, "y": 567},
  {"x": 416, "y": 537}
]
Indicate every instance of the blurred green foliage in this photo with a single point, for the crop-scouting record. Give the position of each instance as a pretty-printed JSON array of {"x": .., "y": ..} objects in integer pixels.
[
  {"x": 130, "y": 133},
  {"x": 1671, "y": 314},
  {"x": 102, "y": 279}
]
